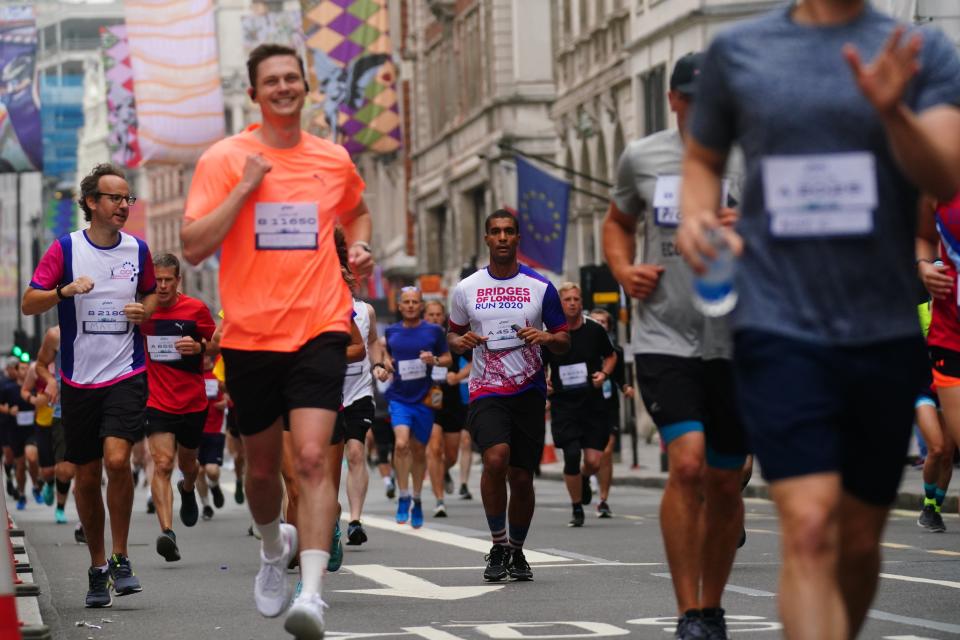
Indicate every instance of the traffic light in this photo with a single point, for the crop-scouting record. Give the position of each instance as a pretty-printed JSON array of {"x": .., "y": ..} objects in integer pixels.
[{"x": 20, "y": 349}]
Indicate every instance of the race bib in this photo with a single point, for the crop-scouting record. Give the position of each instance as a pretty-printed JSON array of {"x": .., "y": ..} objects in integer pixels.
[
  {"x": 412, "y": 369},
  {"x": 502, "y": 334},
  {"x": 573, "y": 376},
  {"x": 354, "y": 369},
  {"x": 820, "y": 195},
  {"x": 103, "y": 316},
  {"x": 439, "y": 375},
  {"x": 163, "y": 348},
  {"x": 286, "y": 225},
  {"x": 25, "y": 418},
  {"x": 212, "y": 388},
  {"x": 666, "y": 200}
]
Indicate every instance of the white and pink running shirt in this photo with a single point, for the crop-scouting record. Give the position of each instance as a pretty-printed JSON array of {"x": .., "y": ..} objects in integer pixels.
[
  {"x": 505, "y": 365},
  {"x": 98, "y": 346}
]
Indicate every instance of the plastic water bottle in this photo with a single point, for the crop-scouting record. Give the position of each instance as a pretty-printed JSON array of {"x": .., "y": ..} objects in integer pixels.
[{"x": 713, "y": 292}]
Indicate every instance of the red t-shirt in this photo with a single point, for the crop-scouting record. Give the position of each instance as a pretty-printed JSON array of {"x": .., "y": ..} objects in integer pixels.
[
  {"x": 176, "y": 382},
  {"x": 945, "y": 319},
  {"x": 214, "y": 423}
]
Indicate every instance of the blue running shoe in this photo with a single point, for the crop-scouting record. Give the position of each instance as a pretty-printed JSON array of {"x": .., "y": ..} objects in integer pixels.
[
  {"x": 416, "y": 516},
  {"x": 60, "y": 516},
  {"x": 403, "y": 509},
  {"x": 21, "y": 503},
  {"x": 38, "y": 495},
  {"x": 98, "y": 595},
  {"x": 48, "y": 494},
  {"x": 336, "y": 550},
  {"x": 125, "y": 581}
]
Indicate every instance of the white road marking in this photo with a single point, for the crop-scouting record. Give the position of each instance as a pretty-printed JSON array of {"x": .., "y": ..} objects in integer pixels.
[
  {"x": 453, "y": 539},
  {"x": 543, "y": 566},
  {"x": 578, "y": 556},
  {"x": 942, "y": 583},
  {"x": 404, "y": 585},
  {"x": 747, "y": 591},
  {"x": 914, "y": 622}
]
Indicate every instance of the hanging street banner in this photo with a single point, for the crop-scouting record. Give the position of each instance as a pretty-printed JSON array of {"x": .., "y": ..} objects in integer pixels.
[
  {"x": 122, "y": 138},
  {"x": 176, "y": 71},
  {"x": 349, "y": 54},
  {"x": 21, "y": 139},
  {"x": 284, "y": 27}
]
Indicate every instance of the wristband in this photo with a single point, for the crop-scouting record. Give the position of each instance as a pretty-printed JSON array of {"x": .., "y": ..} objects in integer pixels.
[
  {"x": 378, "y": 365},
  {"x": 919, "y": 260},
  {"x": 365, "y": 246},
  {"x": 60, "y": 292}
]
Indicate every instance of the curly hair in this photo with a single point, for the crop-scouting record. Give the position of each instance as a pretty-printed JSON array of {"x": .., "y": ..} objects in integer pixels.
[
  {"x": 90, "y": 185},
  {"x": 340, "y": 240}
]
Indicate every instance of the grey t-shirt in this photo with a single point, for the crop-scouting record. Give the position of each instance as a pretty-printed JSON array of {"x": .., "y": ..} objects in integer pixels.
[
  {"x": 784, "y": 93},
  {"x": 648, "y": 181}
]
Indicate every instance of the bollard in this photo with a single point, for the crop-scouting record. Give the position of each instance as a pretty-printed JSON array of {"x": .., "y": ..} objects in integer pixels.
[{"x": 9, "y": 624}]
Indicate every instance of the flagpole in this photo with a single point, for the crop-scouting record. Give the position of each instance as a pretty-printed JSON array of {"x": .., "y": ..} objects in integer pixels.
[{"x": 506, "y": 147}]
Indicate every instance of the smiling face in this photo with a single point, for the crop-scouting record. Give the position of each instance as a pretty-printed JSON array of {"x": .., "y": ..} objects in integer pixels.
[
  {"x": 104, "y": 212},
  {"x": 280, "y": 89}
]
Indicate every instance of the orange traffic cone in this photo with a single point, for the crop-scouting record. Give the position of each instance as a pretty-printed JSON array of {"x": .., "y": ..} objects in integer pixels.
[
  {"x": 9, "y": 624},
  {"x": 549, "y": 455}
]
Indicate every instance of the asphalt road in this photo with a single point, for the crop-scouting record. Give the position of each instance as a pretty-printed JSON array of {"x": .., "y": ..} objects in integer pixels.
[{"x": 607, "y": 579}]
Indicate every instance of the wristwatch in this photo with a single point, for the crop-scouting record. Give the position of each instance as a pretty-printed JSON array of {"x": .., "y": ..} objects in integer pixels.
[{"x": 60, "y": 292}]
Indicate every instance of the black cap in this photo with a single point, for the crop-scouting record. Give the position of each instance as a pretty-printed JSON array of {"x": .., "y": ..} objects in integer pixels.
[{"x": 686, "y": 74}]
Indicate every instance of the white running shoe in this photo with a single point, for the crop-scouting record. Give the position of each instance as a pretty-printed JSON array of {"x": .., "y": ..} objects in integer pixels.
[
  {"x": 270, "y": 589},
  {"x": 305, "y": 618}
]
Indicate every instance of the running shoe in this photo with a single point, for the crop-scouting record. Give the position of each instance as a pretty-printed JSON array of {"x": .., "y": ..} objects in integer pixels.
[
  {"x": 167, "y": 546},
  {"x": 465, "y": 492},
  {"x": 136, "y": 477},
  {"x": 305, "y": 618},
  {"x": 937, "y": 525},
  {"x": 79, "y": 535},
  {"x": 21, "y": 503},
  {"x": 391, "y": 489},
  {"x": 270, "y": 589},
  {"x": 217, "y": 494},
  {"x": 690, "y": 626},
  {"x": 926, "y": 516},
  {"x": 38, "y": 495},
  {"x": 578, "y": 518},
  {"x": 48, "y": 494},
  {"x": 416, "y": 514},
  {"x": 207, "y": 512},
  {"x": 336, "y": 550},
  {"x": 440, "y": 511},
  {"x": 60, "y": 516},
  {"x": 356, "y": 534},
  {"x": 518, "y": 567},
  {"x": 403, "y": 510},
  {"x": 447, "y": 483},
  {"x": 125, "y": 581},
  {"x": 715, "y": 624},
  {"x": 98, "y": 591},
  {"x": 603, "y": 510},
  {"x": 189, "y": 511},
  {"x": 151, "y": 508},
  {"x": 238, "y": 493},
  {"x": 586, "y": 494},
  {"x": 497, "y": 562}
]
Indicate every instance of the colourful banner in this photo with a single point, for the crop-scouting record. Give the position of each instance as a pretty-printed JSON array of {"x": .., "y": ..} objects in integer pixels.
[
  {"x": 21, "y": 140},
  {"x": 173, "y": 52},
  {"x": 61, "y": 215},
  {"x": 285, "y": 27},
  {"x": 121, "y": 103},
  {"x": 350, "y": 57}
]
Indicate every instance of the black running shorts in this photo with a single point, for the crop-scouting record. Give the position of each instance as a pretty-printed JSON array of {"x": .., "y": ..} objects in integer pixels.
[{"x": 517, "y": 421}]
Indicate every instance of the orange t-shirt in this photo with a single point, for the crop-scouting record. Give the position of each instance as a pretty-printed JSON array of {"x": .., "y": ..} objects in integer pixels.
[{"x": 280, "y": 281}]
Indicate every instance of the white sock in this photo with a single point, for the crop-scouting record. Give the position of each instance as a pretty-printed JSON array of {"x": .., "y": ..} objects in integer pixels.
[
  {"x": 387, "y": 480},
  {"x": 205, "y": 500},
  {"x": 104, "y": 568},
  {"x": 313, "y": 562},
  {"x": 211, "y": 484},
  {"x": 404, "y": 493},
  {"x": 271, "y": 541}
]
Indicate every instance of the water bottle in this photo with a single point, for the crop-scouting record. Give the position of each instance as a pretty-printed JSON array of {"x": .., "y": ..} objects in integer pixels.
[{"x": 713, "y": 292}]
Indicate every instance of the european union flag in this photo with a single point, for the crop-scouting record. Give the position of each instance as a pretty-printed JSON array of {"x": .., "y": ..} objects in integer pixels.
[{"x": 542, "y": 203}]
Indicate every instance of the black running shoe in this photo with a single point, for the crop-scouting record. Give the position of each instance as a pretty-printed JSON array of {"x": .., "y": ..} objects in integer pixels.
[
  {"x": 465, "y": 492},
  {"x": 497, "y": 561},
  {"x": 586, "y": 493},
  {"x": 937, "y": 526},
  {"x": 715, "y": 624},
  {"x": 189, "y": 511},
  {"x": 79, "y": 535},
  {"x": 519, "y": 568},
  {"x": 578, "y": 518},
  {"x": 167, "y": 546},
  {"x": 603, "y": 510},
  {"x": 391, "y": 490},
  {"x": 355, "y": 534},
  {"x": 743, "y": 537},
  {"x": 98, "y": 592},
  {"x": 217, "y": 494},
  {"x": 125, "y": 581},
  {"x": 238, "y": 493},
  {"x": 151, "y": 508},
  {"x": 690, "y": 626},
  {"x": 926, "y": 516},
  {"x": 447, "y": 483},
  {"x": 207, "y": 512}
]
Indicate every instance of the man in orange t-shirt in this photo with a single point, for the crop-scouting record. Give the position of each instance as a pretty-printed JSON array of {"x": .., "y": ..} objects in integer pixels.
[{"x": 270, "y": 196}]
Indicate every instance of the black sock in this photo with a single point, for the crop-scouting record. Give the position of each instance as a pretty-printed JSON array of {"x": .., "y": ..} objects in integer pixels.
[
  {"x": 63, "y": 488},
  {"x": 711, "y": 612}
]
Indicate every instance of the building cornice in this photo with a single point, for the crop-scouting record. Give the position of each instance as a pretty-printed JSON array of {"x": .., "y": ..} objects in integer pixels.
[{"x": 703, "y": 15}]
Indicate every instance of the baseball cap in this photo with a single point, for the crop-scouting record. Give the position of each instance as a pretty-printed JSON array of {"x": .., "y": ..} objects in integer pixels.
[{"x": 686, "y": 74}]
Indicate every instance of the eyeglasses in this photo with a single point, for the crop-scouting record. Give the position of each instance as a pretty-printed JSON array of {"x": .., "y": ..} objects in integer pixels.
[{"x": 117, "y": 198}]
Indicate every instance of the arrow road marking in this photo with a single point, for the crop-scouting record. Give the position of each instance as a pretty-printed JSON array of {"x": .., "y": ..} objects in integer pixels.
[{"x": 404, "y": 585}]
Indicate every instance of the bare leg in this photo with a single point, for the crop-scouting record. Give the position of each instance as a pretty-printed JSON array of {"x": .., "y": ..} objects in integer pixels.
[
  {"x": 435, "y": 463},
  {"x": 605, "y": 474},
  {"x": 358, "y": 478},
  {"x": 723, "y": 524},
  {"x": 681, "y": 518},
  {"x": 116, "y": 459},
  {"x": 402, "y": 456},
  {"x": 163, "y": 447},
  {"x": 90, "y": 507}
]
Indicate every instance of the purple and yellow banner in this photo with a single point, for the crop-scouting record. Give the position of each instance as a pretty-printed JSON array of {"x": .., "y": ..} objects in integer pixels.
[
  {"x": 349, "y": 54},
  {"x": 21, "y": 140}
]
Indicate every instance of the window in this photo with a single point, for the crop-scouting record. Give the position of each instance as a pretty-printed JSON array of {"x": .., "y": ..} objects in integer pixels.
[
  {"x": 435, "y": 238},
  {"x": 654, "y": 106}
]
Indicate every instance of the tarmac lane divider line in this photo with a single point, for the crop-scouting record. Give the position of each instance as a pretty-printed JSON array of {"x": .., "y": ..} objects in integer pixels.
[
  {"x": 404, "y": 585},
  {"x": 747, "y": 591},
  {"x": 941, "y": 583},
  {"x": 454, "y": 539},
  {"x": 914, "y": 622}
]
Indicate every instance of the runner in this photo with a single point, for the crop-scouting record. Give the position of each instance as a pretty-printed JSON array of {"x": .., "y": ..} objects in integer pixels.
[
  {"x": 413, "y": 347},
  {"x": 683, "y": 367},
  {"x": 450, "y": 419},
  {"x": 497, "y": 312},
  {"x": 94, "y": 277},
  {"x": 212, "y": 443},
  {"x": 175, "y": 339},
  {"x": 832, "y": 442},
  {"x": 49, "y": 357},
  {"x": 33, "y": 391},
  {"x": 578, "y": 415},
  {"x": 380, "y": 438},
  {"x": 286, "y": 313},
  {"x": 21, "y": 435}
]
